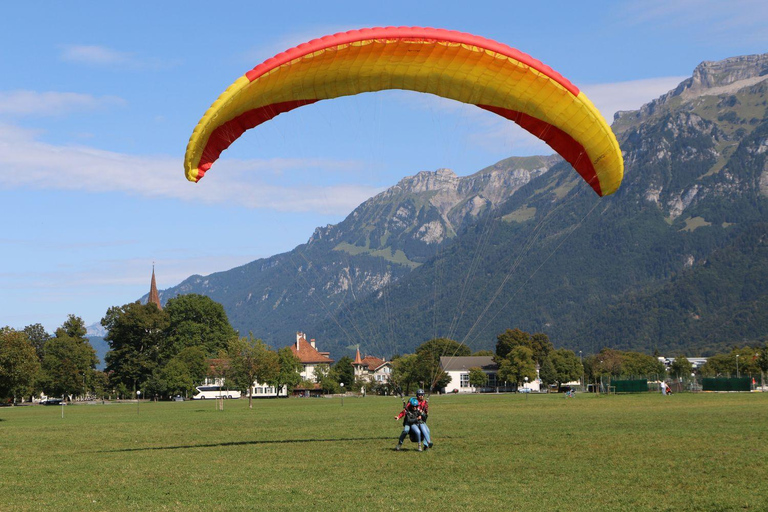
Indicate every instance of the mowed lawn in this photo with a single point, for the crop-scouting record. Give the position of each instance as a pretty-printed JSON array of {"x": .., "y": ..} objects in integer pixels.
[{"x": 492, "y": 452}]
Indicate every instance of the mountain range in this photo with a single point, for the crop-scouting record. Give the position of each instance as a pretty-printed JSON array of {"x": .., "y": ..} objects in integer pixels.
[{"x": 675, "y": 262}]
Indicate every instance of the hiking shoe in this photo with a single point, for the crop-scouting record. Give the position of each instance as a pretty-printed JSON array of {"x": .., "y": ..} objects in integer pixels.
[
  {"x": 426, "y": 446},
  {"x": 431, "y": 445},
  {"x": 399, "y": 445}
]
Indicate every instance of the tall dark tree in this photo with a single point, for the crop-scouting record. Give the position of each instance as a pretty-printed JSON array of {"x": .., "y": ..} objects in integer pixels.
[
  {"x": 344, "y": 372},
  {"x": 37, "y": 336},
  {"x": 135, "y": 335},
  {"x": 196, "y": 321}
]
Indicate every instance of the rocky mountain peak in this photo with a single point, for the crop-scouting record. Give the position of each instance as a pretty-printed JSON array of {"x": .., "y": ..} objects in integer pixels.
[
  {"x": 710, "y": 78},
  {"x": 426, "y": 181}
]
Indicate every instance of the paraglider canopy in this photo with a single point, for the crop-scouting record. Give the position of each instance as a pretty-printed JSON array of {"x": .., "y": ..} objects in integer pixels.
[{"x": 450, "y": 64}]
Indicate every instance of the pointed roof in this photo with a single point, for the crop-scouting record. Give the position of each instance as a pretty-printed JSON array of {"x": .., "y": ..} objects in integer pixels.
[
  {"x": 154, "y": 297},
  {"x": 307, "y": 353},
  {"x": 357, "y": 357}
]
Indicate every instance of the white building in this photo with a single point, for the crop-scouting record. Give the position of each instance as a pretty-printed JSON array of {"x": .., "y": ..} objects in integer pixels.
[
  {"x": 457, "y": 369},
  {"x": 258, "y": 389},
  {"x": 309, "y": 356}
]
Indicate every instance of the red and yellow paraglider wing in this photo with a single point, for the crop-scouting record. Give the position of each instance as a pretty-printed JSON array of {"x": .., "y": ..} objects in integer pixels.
[{"x": 449, "y": 64}]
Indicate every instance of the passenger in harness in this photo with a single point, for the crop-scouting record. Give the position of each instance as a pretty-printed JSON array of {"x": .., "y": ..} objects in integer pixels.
[{"x": 422, "y": 424}]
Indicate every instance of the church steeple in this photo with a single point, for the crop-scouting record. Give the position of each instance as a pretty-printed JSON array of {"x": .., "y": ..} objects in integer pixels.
[
  {"x": 154, "y": 297},
  {"x": 357, "y": 357}
]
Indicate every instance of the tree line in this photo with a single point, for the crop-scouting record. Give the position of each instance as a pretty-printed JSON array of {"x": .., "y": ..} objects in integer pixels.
[{"x": 167, "y": 352}]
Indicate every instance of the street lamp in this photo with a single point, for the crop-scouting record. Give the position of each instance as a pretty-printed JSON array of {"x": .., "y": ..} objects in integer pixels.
[
  {"x": 581, "y": 360},
  {"x": 525, "y": 386},
  {"x": 693, "y": 381},
  {"x": 342, "y": 394},
  {"x": 737, "y": 366},
  {"x": 138, "y": 399}
]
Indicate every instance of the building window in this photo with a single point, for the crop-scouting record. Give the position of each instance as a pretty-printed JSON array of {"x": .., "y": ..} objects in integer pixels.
[
  {"x": 492, "y": 382},
  {"x": 464, "y": 380}
]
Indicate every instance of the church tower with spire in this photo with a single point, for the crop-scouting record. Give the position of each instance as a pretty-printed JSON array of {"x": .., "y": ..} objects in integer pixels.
[{"x": 154, "y": 297}]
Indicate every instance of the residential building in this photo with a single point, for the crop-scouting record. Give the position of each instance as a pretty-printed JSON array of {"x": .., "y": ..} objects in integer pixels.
[
  {"x": 457, "y": 369},
  {"x": 372, "y": 368},
  {"x": 309, "y": 356},
  {"x": 258, "y": 390}
]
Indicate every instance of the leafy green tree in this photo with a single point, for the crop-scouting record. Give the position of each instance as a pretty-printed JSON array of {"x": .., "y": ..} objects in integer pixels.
[
  {"x": 487, "y": 353},
  {"x": 69, "y": 361},
  {"x": 636, "y": 364},
  {"x": 135, "y": 335},
  {"x": 547, "y": 372},
  {"x": 251, "y": 361},
  {"x": 195, "y": 361},
  {"x": 196, "y": 321},
  {"x": 74, "y": 327},
  {"x": 19, "y": 365},
  {"x": 539, "y": 344},
  {"x": 477, "y": 377},
  {"x": 567, "y": 365},
  {"x": 405, "y": 372},
  {"x": 37, "y": 336},
  {"x": 518, "y": 365},
  {"x": 290, "y": 371},
  {"x": 680, "y": 367},
  {"x": 510, "y": 339},
  {"x": 725, "y": 365}
]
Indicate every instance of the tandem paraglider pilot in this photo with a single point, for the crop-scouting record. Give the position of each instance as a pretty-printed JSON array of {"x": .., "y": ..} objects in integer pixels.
[{"x": 414, "y": 416}]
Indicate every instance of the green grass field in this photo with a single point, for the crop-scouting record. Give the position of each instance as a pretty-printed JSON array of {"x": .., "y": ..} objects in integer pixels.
[{"x": 492, "y": 452}]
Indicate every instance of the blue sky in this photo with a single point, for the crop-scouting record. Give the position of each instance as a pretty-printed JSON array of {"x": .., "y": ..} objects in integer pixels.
[{"x": 98, "y": 100}]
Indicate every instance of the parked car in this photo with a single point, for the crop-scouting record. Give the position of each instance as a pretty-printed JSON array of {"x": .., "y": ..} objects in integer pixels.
[
  {"x": 178, "y": 398},
  {"x": 53, "y": 401},
  {"x": 523, "y": 390}
]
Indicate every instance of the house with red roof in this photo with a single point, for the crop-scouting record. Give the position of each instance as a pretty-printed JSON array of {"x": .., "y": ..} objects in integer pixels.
[
  {"x": 372, "y": 368},
  {"x": 309, "y": 356}
]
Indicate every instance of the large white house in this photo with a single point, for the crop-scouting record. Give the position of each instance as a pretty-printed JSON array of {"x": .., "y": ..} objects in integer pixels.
[
  {"x": 457, "y": 369},
  {"x": 258, "y": 390},
  {"x": 309, "y": 356}
]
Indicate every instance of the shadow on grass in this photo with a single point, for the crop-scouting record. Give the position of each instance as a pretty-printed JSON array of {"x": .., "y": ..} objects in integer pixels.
[{"x": 246, "y": 443}]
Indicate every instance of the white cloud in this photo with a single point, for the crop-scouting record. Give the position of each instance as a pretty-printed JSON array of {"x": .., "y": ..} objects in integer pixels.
[
  {"x": 25, "y": 103},
  {"x": 95, "y": 55},
  {"x": 610, "y": 98},
  {"x": 30, "y": 163}
]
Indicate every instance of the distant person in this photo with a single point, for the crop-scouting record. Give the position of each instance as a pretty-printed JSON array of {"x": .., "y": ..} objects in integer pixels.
[
  {"x": 664, "y": 388},
  {"x": 410, "y": 415}
]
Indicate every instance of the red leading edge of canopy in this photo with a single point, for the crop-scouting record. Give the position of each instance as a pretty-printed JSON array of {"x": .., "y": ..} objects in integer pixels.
[{"x": 410, "y": 33}]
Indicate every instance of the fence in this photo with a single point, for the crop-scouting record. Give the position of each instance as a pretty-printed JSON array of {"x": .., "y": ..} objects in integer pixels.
[
  {"x": 727, "y": 384},
  {"x": 630, "y": 386}
]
